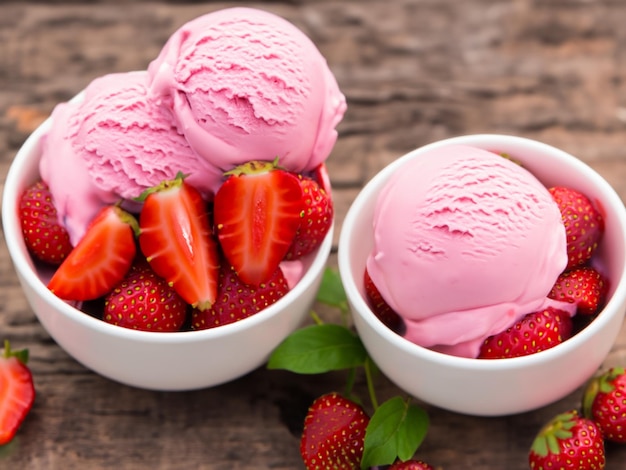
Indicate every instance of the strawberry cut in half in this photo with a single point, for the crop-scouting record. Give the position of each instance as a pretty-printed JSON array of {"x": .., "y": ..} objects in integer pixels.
[
  {"x": 257, "y": 212},
  {"x": 176, "y": 239},
  {"x": 100, "y": 259},
  {"x": 17, "y": 392}
]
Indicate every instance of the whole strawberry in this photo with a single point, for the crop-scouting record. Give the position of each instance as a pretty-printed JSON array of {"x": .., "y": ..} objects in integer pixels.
[
  {"x": 535, "y": 332},
  {"x": 604, "y": 401},
  {"x": 411, "y": 465},
  {"x": 44, "y": 236},
  {"x": 568, "y": 441},
  {"x": 317, "y": 218},
  {"x": 378, "y": 305},
  {"x": 144, "y": 301},
  {"x": 334, "y": 433},
  {"x": 583, "y": 286},
  {"x": 237, "y": 300},
  {"x": 584, "y": 225}
]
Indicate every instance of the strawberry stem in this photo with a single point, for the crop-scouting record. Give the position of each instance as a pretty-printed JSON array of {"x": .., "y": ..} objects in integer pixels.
[{"x": 370, "y": 382}]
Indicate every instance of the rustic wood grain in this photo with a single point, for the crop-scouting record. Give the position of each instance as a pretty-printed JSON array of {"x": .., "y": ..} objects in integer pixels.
[{"x": 413, "y": 71}]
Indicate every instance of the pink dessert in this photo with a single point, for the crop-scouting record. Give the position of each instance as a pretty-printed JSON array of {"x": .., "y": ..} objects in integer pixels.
[
  {"x": 231, "y": 86},
  {"x": 244, "y": 83},
  {"x": 466, "y": 244}
]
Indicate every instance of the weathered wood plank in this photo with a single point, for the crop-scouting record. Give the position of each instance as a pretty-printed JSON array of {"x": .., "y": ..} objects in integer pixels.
[{"x": 413, "y": 71}]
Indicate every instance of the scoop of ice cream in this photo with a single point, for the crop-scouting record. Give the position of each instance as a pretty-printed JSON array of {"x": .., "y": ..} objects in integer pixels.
[
  {"x": 245, "y": 84},
  {"x": 466, "y": 243},
  {"x": 113, "y": 144}
]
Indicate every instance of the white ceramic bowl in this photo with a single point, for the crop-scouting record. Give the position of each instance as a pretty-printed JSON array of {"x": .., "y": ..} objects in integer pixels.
[
  {"x": 160, "y": 361},
  {"x": 504, "y": 386}
]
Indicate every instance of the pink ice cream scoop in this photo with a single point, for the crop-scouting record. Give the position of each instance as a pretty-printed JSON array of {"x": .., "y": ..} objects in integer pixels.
[
  {"x": 112, "y": 144},
  {"x": 245, "y": 84},
  {"x": 466, "y": 242}
]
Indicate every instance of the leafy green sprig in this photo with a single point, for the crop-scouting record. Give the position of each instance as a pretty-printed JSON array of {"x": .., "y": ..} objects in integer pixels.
[{"x": 397, "y": 427}]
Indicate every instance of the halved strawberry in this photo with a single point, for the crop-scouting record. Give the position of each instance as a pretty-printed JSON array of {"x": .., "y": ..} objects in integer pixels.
[
  {"x": 317, "y": 218},
  {"x": 237, "y": 300},
  {"x": 583, "y": 286},
  {"x": 44, "y": 236},
  {"x": 175, "y": 237},
  {"x": 257, "y": 212},
  {"x": 535, "y": 332},
  {"x": 584, "y": 225},
  {"x": 17, "y": 392},
  {"x": 144, "y": 301},
  {"x": 100, "y": 259}
]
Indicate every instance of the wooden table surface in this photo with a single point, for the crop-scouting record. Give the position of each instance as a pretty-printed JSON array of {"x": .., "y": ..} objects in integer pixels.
[{"x": 413, "y": 71}]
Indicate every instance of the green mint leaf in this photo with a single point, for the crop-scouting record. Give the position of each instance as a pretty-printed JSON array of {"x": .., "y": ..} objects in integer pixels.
[
  {"x": 331, "y": 290},
  {"x": 317, "y": 349},
  {"x": 396, "y": 430}
]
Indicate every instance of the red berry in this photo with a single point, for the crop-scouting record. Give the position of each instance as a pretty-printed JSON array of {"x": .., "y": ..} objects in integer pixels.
[
  {"x": 176, "y": 240},
  {"x": 584, "y": 225},
  {"x": 568, "y": 441},
  {"x": 535, "y": 332},
  {"x": 100, "y": 259},
  {"x": 583, "y": 286},
  {"x": 17, "y": 392},
  {"x": 237, "y": 300},
  {"x": 381, "y": 309},
  {"x": 257, "y": 213},
  {"x": 604, "y": 401},
  {"x": 411, "y": 465},
  {"x": 144, "y": 301},
  {"x": 317, "y": 218},
  {"x": 334, "y": 434},
  {"x": 44, "y": 236}
]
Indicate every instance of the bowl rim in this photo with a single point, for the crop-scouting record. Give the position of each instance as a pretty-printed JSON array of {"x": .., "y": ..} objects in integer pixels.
[
  {"x": 362, "y": 309},
  {"x": 23, "y": 264}
]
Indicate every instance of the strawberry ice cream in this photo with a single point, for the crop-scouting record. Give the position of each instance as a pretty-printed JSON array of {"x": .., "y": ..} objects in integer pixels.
[
  {"x": 228, "y": 87},
  {"x": 110, "y": 145},
  {"x": 466, "y": 242},
  {"x": 245, "y": 84}
]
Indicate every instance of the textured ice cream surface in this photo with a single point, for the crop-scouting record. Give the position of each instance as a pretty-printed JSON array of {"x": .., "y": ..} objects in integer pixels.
[
  {"x": 466, "y": 243},
  {"x": 245, "y": 84},
  {"x": 112, "y": 144}
]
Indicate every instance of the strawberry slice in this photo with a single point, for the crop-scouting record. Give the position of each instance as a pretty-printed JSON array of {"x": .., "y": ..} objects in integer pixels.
[
  {"x": 175, "y": 237},
  {"x": 17, "y": 392},
  {"x": 258, "y": 210},
  {"x": 100, "y": 259}
]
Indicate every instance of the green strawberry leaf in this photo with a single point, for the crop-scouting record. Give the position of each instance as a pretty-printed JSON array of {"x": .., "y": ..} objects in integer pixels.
[
  {"x": 21, "y": 354},
  {"x": 396, "y": 430},
  {"x": 331, "y": 290},
  {"x": 317, "y": 349}
]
